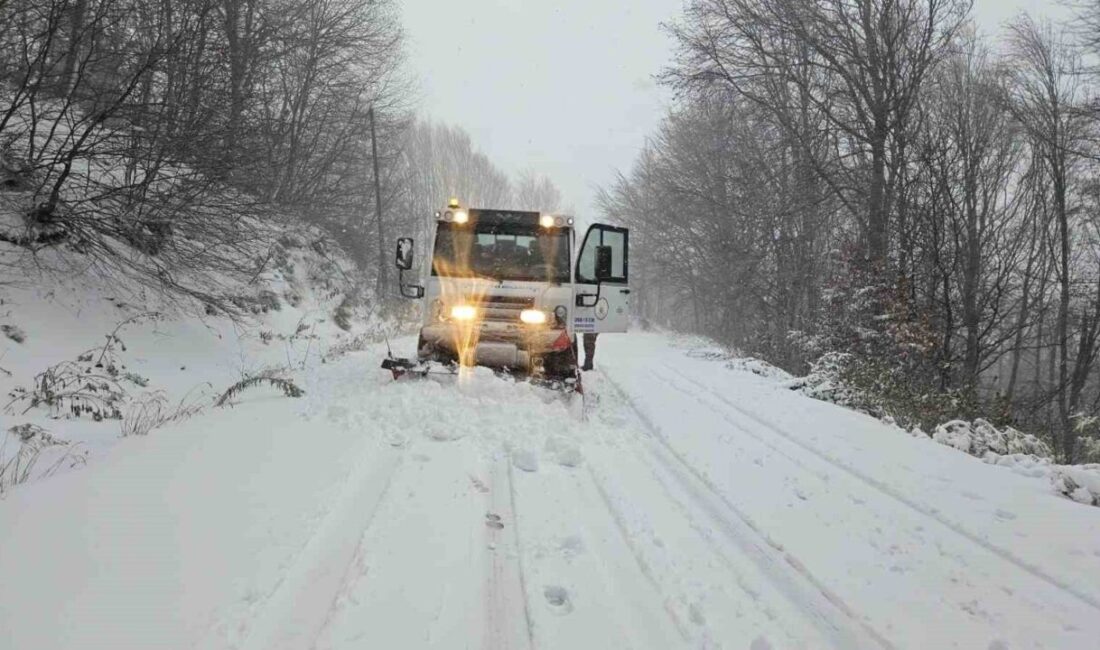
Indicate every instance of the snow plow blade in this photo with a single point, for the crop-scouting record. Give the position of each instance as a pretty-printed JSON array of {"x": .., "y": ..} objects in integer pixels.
[
  {"x": 404, "y": 368},
  {"x": 408, "y": 367}
]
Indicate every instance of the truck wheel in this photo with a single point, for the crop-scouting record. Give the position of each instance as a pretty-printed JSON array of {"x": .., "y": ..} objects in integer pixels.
[
  {"x": 559, "y": 365},
  {"x": 428, "y": 352},
  {"x": 423, "y": 352}
]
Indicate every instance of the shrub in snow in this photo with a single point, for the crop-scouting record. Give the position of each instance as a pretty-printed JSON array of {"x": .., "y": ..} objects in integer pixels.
[
  {"x": 13, "y": 333},
  {"x": 1078, "y": 482},
  {"x": 1020, "y": 452},
  {"x": 152, "y": 410},
  {"x": 28, "y": 432},
  {"x": 265, "y": 301},
  {"x": 827, "y": 381},
  {"x": 92, "y": 386},
  {"x": 343, "y": 314},
  {"x": 1090, "y": 449},
  {"x": 288, "y": 387},
  {"x": 980, "y": 437},
  {"x": 269, "y": 301},
  {"x": 25, "y": 447},
  {"x": 758, "y": 367}
]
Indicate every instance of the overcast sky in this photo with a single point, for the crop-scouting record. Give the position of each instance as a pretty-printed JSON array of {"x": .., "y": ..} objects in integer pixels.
[{"x": 561, "y": 86}]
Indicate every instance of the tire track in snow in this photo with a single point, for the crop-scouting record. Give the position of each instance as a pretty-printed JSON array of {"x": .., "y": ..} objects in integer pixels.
[
  {"x": 505, "y": 626},
  {"x": 296, "y": 611},
  {"x": 698, "y": 520},
  {"x": 608, "y": 599},
  {"x": 829, "y": 613},
  {"x": 890, "y": 492},
  {"x": 617, "y": 517}
]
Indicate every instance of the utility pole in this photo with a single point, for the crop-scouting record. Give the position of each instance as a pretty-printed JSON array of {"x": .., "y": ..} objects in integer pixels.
[{"x": 383, "y": 285}]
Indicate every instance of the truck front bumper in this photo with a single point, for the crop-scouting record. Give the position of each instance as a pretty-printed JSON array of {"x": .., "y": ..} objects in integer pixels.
[{"x": 496, "y": 345}]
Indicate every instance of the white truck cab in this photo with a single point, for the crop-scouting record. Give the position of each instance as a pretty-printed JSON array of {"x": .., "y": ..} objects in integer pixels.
[{"x": 511, "y": 289}]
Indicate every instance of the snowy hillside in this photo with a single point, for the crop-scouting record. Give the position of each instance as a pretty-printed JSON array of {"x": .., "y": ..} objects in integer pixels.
[
  {"x": 84, "y": 362},
  {"x": 694, "y": 506}
]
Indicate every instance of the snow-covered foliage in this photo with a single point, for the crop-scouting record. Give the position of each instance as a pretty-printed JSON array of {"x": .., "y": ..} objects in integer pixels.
[
  {"x": 1078, "y": 482},
  {"x": 28, "y": 452},
  {"x": 701, "y": 347},
  {"x": 826, "y": 381},
  {"x": 1021, "y": 452},
  {"x": 979, "y": 437},
  {"x": 86, "y": 361}
]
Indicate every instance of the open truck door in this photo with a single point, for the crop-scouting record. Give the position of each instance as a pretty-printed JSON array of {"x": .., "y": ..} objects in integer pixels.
[{"x": 602, "y": 282}]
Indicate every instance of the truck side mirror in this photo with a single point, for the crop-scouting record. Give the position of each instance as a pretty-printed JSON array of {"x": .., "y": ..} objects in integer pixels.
[
  {"x": 404, "y": 258},
  {"x": 603, "y": 263}
]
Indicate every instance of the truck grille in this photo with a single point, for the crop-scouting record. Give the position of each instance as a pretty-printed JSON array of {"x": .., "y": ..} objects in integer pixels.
[{"x": 504, "y": 308}]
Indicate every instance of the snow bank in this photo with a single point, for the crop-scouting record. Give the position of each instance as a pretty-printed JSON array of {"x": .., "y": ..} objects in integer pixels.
[
  {"x": 84, "y": 361},
  {"x": 1020, "y": 452},
  {"x": 700, "y": 347}
]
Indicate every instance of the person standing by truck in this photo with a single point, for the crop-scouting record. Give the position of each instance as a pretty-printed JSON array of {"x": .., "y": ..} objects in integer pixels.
[{"x": 589, "y": 350}]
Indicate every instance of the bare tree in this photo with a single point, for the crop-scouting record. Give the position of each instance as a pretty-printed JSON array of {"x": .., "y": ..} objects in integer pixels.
[
  {"x": 1047, "y": 85},
  {"x": 860, "y": 63},
  {"x": 535, "y": 191}
]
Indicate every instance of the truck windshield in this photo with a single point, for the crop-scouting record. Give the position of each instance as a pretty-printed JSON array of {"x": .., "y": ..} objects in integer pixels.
[{"x": 502, "y": 252}]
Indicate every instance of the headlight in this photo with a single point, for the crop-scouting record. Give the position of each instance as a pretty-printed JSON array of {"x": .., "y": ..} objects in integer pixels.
[
  {"x": 560, "y": 312},
  {"x": 546, "y": 221},
  {"x": 532, "y": 316},
  {"x": 463, "y": 312},
  {"x": 461, "y": 216}
]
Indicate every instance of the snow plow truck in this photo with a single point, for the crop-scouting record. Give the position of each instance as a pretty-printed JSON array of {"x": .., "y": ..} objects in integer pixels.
[{"x": 511, "y": 290}]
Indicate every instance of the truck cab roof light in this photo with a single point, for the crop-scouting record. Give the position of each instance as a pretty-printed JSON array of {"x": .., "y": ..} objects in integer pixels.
[{"x": 453, "y": 203}]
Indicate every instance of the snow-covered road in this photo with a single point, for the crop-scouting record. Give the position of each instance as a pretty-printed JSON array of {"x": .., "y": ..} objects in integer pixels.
[{"x": 695, "y": 506}]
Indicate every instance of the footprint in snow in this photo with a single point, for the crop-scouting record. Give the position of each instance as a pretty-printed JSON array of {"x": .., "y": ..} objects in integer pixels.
[
  {"x": 525, "y": 459},
  {"x": 571, "y": 547},
  {"x": 558, "y": 598},
  {"x": 492, "y": 520}
]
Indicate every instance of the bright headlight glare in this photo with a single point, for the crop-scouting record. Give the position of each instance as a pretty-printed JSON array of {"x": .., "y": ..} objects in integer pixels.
[
  {"x": 532, "y": 316},
  {"x": 546, "y": 221},
  {"x": 461, "y": 216},
  {"x": 463, "y": 312}
]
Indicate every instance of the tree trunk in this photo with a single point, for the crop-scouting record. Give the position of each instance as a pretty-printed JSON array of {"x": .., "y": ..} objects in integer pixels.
[
  {"x": 383, "y": 259},
  {"x": 971, "y": 274},
  {"x": 1066, "y": 436},
  {"x": 68, "y": 78},
  {"x": 876, "y": 200}
]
